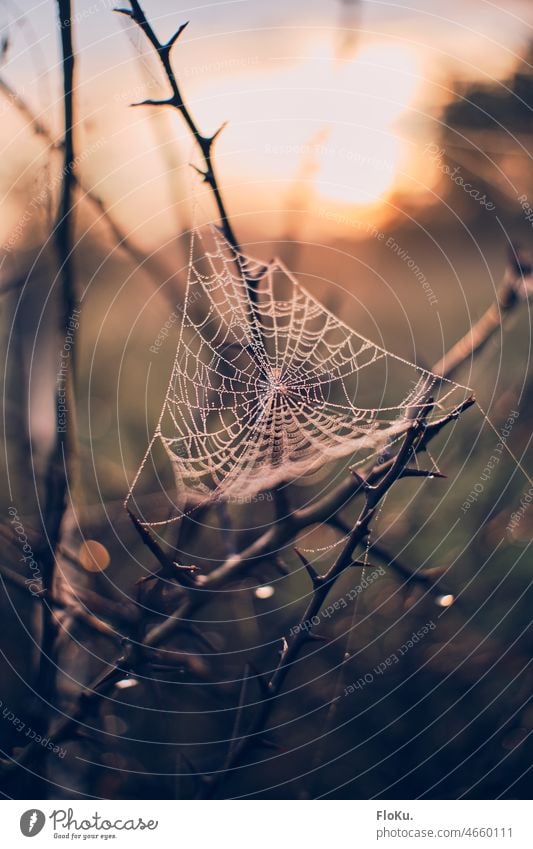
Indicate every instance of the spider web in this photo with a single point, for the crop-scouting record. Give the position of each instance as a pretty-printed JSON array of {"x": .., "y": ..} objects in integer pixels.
[{"x": 267, "y": 389}]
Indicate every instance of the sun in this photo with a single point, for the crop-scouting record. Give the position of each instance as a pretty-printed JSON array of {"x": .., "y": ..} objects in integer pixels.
[
  {"x": 362, "y": 157},
  {"x": 333, "y": 126}
]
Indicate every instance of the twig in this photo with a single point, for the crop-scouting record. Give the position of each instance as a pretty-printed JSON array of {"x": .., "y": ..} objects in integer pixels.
[
  {"x": 77, "y": 610},
  {"x": 149, "y": 262},
  {"x": 394, "y": 563},
  {"x": 374, "y": 484},
  {"x": 57, "y": 475},
  {"x": 14, "y": 97},
  {"x": 322, "y": 585},
  {"x": 61, "y": 457},
  {"x": 194, "y": 596},
  {"x": 169, "y": 569},
  {"x": 204, "y": 143},
  {"x": 516, "y": 287},
  {"x": 280, "y": 534}
]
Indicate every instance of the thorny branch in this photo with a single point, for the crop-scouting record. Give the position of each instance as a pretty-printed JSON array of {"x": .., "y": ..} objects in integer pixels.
[
  {"x": 516, "y": 286},
  {"x": 374, "y": 487},
  {"x": 205, "y": 145},
  {"x": 138, "y": 656}
]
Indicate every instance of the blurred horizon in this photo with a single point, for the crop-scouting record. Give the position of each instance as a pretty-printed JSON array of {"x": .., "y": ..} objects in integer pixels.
[{"x": 335, "y": 106}]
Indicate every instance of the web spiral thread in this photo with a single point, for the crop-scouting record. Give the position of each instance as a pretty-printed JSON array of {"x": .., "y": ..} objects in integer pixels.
[{"x": 266, "y": 389}]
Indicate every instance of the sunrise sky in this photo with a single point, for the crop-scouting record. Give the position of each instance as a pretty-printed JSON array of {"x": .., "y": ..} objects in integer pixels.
[{"x": 344, "y": 95}]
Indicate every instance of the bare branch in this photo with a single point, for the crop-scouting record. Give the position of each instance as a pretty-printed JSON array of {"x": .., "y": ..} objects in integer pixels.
[
  {"x": 169, "y": 569},
  {"x": 76, "y": 609},
  {"x": 516, "y": 287},
  {"x": 204, "y": 143},
  {"x": 316, "y": 579},
  {"x": 150, "y": 262},
  {"x": 59, "y": 469},
  {"x": 291, "y": 646}
]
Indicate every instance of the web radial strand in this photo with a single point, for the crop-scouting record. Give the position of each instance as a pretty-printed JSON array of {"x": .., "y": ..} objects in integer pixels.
[{"x": 266, "y": 392}]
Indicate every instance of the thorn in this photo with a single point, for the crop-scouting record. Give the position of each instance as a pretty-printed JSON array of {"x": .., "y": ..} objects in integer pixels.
[
  {"x": 127, "y": 12},
  {"x": 169, "y": 569},
  {"x": 360, "y": 480},
  {"x": 433, "y": 428},
  {"x": 171, "y": 42},
  {"x": 168, "y": 102},
  {"x": 284, "y": 648},
  {"x": 154, "y": 576},
  {"x": 203, "y": 174},
  {"x": 220, "y": 229},
  {"x": 190, "y": 568},
  {"x": 421, "y": 473},
  {"x": 85, "y": 696},
  {"x": 217, "y": 133},
  {"x": 361, "y": 564},
  {"x": 318, "y": 638},
  {"x": 315, "y": 577}
]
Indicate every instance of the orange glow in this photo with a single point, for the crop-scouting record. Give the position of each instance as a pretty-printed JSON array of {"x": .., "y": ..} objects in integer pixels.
[
  {"x": 385, "y": 80},
  {"x": 356, "y": 105},
  {"x": 93, "y": 556}
]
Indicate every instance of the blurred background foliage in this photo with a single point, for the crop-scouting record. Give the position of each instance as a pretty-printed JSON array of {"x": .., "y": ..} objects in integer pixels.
[{"x": 317, "y": 165}]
